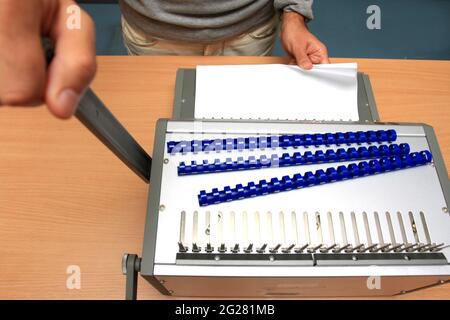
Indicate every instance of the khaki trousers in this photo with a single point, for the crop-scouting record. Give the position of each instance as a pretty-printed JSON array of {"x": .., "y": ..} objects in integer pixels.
[{"x": 259, "y": 42}]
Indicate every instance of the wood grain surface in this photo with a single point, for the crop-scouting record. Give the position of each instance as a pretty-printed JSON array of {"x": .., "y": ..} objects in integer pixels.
[{"x": 66, "y": 200}]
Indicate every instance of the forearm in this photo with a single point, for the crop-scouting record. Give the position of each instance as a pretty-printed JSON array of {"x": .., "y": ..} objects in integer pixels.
[
  {"x": 302, "y": 7},
  {"x": 294, "y": 18}
]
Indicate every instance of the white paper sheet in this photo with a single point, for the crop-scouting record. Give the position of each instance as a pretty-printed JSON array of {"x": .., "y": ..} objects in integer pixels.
[{"x": 277, "y": 92}]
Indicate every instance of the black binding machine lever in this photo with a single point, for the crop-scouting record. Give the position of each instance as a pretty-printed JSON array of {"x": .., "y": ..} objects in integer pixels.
[{"x": 101, "y": 122}]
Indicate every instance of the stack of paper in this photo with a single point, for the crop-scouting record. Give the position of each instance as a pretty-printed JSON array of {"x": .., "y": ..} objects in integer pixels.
[{"x": 277, "y": 92}]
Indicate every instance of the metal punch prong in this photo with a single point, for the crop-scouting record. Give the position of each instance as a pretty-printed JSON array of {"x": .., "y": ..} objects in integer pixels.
[
  {"x": 425, "y": 227},
  {"x": 232, "y": 226},
  {"x": 302, "y": 248},
  {"x": 391, "y": 231},
  {"x": 436, "y": 247},
  {"x": 306, "y": 223},
  {"x": 383, "y": 246},
  {"x": 421, "y": 247},
  {"x": 314, "y": 249},
  {"x": 249, "y": 248},
  {"x": 409, "y": 247},
  {"x": 358, "y": 248},
  {"x": 282, "y": 228},
  {"x": 331, "y": 229},
  {"x": 346, "y": 247},
  {"x": 245, "y": 227},
  {"x": 181, "y": 246},
  {"x": 270, "y": 226},
  {"x": 319, "y": 227},
  {"x": 275, "y": 249},
  {"x": 294, "y": 227},
  {"x": 209, "y": 248},
  {"x": 288, "y": 249},
  {"x": 406, "y": 244},
  {"x": 358, "y": 245},
  {"x": 371, "y": 248},
  {"x": 258, "y": 228},
  {"x": 220, "y": 243},
  {"x": 325, "y": 250},
  {"x": 414, "y": 227},
  {"x": 262, "y": 249},
  {"x": 222, "y": 248},
  {"x": 367, "y": 229},
  {"x": 195, "y": 248}
]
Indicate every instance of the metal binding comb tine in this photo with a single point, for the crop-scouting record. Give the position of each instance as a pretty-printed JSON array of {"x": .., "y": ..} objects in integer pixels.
[
  {"x": 319, "y": 232},
  {"x": 422, "y": 247},
  {"x": 383, "y": 246},
  {"x": 222, "y": 248},
  {"x": 195, "y": 247},
  {"x": 249, "y": 248},
  {"x": 209, "y": 248},
  {"x": 282, "y": 230},
  {"x": 314, "y": 249},
  {"x": 329, "y": 248},
  {"x": 335, "y": 246},
  {"x": 270, "y": 226},
  {"x": 359, "y": 247},
  {"x": 245, "y": 239},
  {"x": 301, "y": 249},
  {"x": 181, "y": 246},
  {"x": 347, "y": 247},
  {"x": 406, "y": 245},
  {"x": 288, "y": 249},
  {"x": 371, "y": 248},
  {"x": 409, "y": 247},
  {"x": 262, "y": 248},
  {"x": 307, "y": 233},
  {"x": 275, "y": 249},
  {"x": 235, "y": 248},
  {"x": 295, "y": 230},
  {"x": 418, "y": 246},
  {"x": 436, "y": 247},
  {"x": 370, "y": 245},
  {"x": 395, "y": 246},
  {"x": 426, "y": 231},
  {"x": 331, "y": 233},
  {"x": 220, "y": 244}
]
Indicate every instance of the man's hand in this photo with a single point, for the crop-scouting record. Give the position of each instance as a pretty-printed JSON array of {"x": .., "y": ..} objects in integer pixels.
[
  {"x": 301, "y": 45},
  {"x": 24, "y": 78}
]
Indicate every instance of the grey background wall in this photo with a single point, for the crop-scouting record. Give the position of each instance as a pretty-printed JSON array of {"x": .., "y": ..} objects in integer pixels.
[{"x": 410, "y": 29}]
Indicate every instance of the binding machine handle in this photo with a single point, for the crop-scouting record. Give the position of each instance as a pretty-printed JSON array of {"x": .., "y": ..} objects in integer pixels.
[{"x": 95, "y": 116}]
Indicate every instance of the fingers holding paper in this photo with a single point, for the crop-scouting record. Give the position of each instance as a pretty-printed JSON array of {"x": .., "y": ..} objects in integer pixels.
[{"x": 302, "y": 46}]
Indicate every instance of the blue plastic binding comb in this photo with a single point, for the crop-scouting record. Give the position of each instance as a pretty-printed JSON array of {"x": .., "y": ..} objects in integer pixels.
[
  {"x": 282, "y": 141},
  {"x": 287, "y": 160},
  {"x": 308, "y": 179}
]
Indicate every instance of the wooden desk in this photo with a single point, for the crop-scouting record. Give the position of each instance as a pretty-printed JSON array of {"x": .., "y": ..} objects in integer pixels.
[{"x": 66, "y": 200}]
